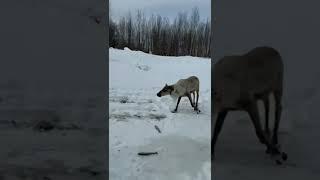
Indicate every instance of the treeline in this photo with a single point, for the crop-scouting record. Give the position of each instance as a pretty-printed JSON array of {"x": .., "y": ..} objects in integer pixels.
[{"x": 186, "y": 35}]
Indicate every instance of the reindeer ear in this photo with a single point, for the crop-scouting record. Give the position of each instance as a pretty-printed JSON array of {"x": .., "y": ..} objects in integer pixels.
[{"x": 166, "y": 84}]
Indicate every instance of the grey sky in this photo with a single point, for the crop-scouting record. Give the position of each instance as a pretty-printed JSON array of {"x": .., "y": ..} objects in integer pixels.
[{"x": 165, "y": 8}]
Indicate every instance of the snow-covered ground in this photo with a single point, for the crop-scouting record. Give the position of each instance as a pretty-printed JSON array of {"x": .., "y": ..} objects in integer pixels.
[
  {"x": 183, "y": 145},
  {"x": 52, "y": 67}
]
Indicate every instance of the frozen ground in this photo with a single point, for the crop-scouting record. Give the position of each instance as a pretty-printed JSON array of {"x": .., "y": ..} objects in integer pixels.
[
  {"x": 52, "y": 72},
  {"x": 183, "y": 145}
]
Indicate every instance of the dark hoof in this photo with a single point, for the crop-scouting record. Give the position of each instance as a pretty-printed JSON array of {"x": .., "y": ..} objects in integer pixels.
[
  {"x": 279, "y": 157},
  {"x": 268, "y": 151},
  {"x": 284, "y": 156},
  {"x": 262, "y": 141},
  {"x": 278, "y": 162},
  {"x": 275, "y": 141},
  {"x": 174, "y": 111}
]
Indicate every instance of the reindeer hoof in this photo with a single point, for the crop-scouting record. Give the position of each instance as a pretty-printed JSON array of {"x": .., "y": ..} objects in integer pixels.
[
  {"x": 174, "y": 111},
  {"x": 279, "y": 157},
  {"x": 262, "y": 141},
  {"x": 278, "y": 162},
  {"x": 284, "y": 156},
  {"x": 268, "y": 151}
]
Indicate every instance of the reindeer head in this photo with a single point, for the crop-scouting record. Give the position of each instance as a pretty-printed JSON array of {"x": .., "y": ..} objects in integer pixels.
[{"x": 165, "y": 91}]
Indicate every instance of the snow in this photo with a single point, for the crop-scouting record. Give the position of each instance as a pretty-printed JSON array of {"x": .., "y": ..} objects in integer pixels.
[
  {"x": 53, "y": 64},
  {"x": 183, "y": 145}
]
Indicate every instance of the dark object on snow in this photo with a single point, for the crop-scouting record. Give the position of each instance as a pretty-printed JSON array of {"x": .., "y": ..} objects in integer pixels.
[
  {"x": 14, "y": 123},
  {"x": 124, "y": 99},
  {"x": 284, "y": 157},
  {"x": 157, "y": 128},
  {"x": 54, "y": 123},
  {"x": 47, "y": 124},
  {"x": 44, "y": 126},
  {"x": 89, "y": 170},
  {"x": 70, "y": 126},
  {"x": 147, "y": 153}
]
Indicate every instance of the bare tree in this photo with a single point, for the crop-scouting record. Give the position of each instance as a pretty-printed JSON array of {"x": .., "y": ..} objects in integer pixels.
[{"x": 186, "y": 35}]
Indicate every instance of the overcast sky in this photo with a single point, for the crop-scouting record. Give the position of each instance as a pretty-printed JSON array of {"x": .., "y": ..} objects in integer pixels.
[{"x": 165, "y": 8}]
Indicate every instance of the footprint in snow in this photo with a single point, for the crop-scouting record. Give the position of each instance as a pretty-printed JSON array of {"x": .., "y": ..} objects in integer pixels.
[{"x": 143, "y": 67}]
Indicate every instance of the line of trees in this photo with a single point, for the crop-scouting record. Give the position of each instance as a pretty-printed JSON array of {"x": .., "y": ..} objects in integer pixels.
[{"x": 186, "y": 35}]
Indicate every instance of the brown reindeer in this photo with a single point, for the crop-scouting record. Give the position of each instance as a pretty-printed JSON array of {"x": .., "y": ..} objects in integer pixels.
[{"x": 239, "y": 82}]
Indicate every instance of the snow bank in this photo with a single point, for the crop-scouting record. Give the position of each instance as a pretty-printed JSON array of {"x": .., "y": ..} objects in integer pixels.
[{"x": 184, "y": 142}]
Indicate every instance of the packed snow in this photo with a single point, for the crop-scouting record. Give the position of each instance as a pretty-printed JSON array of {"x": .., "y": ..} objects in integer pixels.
[
  {"x": 183, "y": 142},
  {"x": 52, "y": 71}
]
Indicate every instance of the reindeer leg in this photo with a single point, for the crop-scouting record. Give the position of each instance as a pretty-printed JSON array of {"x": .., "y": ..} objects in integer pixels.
[
  {"x": 254, "y": 115},
  {"x": 196, "y": 106},
  {"x": 266, "y": 126},
  {"x": 189, "y": 97},
  {"x": 193, "y": 99},
  {"x": 217, "y": 129},
  {"x": 267, "y": 109},
  {"x": 176, "y": 109},
  {"x": 278, "y": 112}
]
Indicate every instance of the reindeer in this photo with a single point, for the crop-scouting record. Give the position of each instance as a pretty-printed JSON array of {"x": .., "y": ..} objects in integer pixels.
[
  {"x": 184, "y": 87},
  {"x": 239, "y": 82}
]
